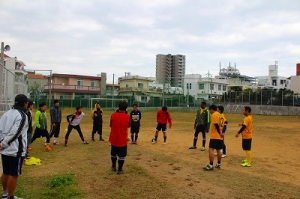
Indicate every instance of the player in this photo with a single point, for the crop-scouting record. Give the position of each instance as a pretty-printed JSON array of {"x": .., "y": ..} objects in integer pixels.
[
  {"x": 216, "y": 138},
  {"x": 246, "y": 131},
  {"x": 97, "y": 115},
  {"x": 223, "y": 128},
  {"x": 202, "y": 124},
  {"x": 74, "y": 120},
  {"x": 29, "y": 131},
  {"x": 119, "y": 124},
  {"x": 163, "y": 117},
  {"x": 136, "y": 117},
  {"x": 40, "y": 120},
  {"x": 56, "y": 115}
]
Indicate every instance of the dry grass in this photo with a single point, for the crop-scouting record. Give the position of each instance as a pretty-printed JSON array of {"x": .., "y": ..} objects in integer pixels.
[{"x": 171, "y": 171}]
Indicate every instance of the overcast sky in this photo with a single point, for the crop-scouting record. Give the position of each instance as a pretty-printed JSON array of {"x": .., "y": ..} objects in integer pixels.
[{"x": 117, "y": 36}]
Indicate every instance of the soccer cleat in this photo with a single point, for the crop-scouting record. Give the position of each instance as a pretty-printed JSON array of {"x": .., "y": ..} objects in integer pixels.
[
  {"x": 165, "y": 143},
  {"x": 203, "y": 148},
  {"x": 120, "y": 172},
  {"x": 246, "y": 164},
  {"x": 4, "y": 195},
  {"x": 218, "y": 166},
  {"x": 101, "y": 139},
  {"x": 29, "y": 148},
  {"x": 113, "y": 168},
  {"x": 243, "y": 161},
  {"x": 84, "y": 142},
  {"x": 133, "y": 142},
  {"x": 193, "y": 147},
  {"x": 55, "y": 143},
  {"x": 48, "y": 148},
  {"x": 224, "y": 155},
  {"x": 153, "y": 141},
  {"x": 66, "y": 143},
  {"x": 208, "y": 168}
]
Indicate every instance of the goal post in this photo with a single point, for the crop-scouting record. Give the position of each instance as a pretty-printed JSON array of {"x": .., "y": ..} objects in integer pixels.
[{"x": 105, "y": 102}]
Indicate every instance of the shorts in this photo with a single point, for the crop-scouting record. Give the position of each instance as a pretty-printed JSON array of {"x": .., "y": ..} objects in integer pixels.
[
  {"x": 216, "y": 144},
  {"x": 12, "y": 165},
  {"x": 246, "y": 144},
  {"x": 135, "y": 129},
  {"x": 120, "y": 151},
  {"x": 162, "y": 127}
]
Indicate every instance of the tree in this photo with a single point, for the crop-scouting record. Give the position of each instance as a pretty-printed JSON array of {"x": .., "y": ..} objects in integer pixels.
[{"x": 35, "y": 92}]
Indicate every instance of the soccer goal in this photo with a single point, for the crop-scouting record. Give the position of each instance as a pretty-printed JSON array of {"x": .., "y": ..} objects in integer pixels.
[{"x": 105, "y": 102}]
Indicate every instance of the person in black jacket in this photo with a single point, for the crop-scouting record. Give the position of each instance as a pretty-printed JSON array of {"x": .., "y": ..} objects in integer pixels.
[
  {"x": 55, "y": 113},
  {"x": 135, "y": 116},
  {"x": 29, "y": 131},
  {"x": 97, "y": 121}
]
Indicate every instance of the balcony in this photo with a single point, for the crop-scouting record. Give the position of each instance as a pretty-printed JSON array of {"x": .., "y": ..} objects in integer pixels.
[{"x": 73, "y": 89}]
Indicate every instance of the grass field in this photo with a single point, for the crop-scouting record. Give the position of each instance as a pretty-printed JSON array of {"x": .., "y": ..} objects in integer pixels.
[{"x": 171, "y": 170}]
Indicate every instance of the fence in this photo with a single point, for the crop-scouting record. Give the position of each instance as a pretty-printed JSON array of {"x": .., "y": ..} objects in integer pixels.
[{"x": 260, "y": 97}]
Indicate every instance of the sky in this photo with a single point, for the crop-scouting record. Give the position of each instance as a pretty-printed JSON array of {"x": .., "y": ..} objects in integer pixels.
[{"x": 117, "y": 36}]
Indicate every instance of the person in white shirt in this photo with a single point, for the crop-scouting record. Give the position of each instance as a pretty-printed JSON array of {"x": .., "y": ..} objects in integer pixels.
[{"x": 74, "y": 120}]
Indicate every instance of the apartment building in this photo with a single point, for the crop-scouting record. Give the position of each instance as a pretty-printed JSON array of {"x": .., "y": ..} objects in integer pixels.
[
  {"x": 69, "y": 86},
  {"x": 170, "y": 69}
]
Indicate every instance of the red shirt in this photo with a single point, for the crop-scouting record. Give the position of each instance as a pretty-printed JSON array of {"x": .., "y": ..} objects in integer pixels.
[
  {"x": 119, "y": 124},
  {"x": 164, "y": 117}
]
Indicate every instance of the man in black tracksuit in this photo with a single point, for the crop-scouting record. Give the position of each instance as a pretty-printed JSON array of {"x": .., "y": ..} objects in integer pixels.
[
  {"x": 97, "y": 121},
  {"x": 55, "y": 113}
]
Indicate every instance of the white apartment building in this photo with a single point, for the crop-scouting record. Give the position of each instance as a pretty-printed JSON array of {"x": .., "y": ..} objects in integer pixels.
[
  {"x": 14, "y": 80},
  {"x": 272, "y": 80},
  {"x": 204, "y": 88}
]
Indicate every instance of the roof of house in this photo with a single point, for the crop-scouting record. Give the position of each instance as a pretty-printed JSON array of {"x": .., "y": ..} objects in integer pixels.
[
  {"x": 36, "y": 76},
  {"x": 76, "y": 76}
]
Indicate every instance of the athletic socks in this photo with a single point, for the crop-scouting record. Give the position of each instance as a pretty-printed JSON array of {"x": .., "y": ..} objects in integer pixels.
[
  {"x": 156, "y": 137},
  {"x": 203, "y": 143},
  {"x": 248, "y": 156},
  {"x": 136, "y": 137},
  {"x": 132, "y": 140},
  {"x": 113, "y": 161},
  {"x": 121, "y": 163},
  {"x": 165, "y": 138},
  {"x": 195, "y": 141}
]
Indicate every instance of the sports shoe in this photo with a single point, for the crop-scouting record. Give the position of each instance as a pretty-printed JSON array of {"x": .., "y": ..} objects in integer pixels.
[
  {"x": 84, "y": 142},
  {"x": 208, "y": 168},
  {"x": 55, "y": 143},
  {"x": 113, "y": 168},
  {"x": 133, "y": 142},
  {"x": 203, "y": 148},
  {"x": 165, "y": 143},
  {"x": 120, "y": 172},
  {"x": 243, "y": 161},
  {"x": 29, "y": 148},
  {"x": 218, "y": 166},
  {"x": 4, "y": 195},
  {"x": 224, "y": 155},
  {"x": 153, "y": 141},
  {"x": 246, "y": 164},
  {"x": 101, "y": 139},
  {"x": 48, "y": 148},
  {"x": 66, "y": 144},
  {"x": 193, "y": 147}
]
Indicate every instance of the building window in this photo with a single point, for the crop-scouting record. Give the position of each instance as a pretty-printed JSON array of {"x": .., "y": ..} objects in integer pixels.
[
  {"x": 219, "y": 87},
  {"x": 224, "y": 88},
  {"x": 212, "y": 86},
  {"x": 79, "y": 83},
  {"x": 126, "y": 86},
  {"x": 94, "y": 84},
  {"x": 201, "y": 86},
  {"x": 140, "y": 85}
]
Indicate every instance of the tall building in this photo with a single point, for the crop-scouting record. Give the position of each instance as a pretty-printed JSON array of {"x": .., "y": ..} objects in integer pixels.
[{"x": 170, "y": 69}]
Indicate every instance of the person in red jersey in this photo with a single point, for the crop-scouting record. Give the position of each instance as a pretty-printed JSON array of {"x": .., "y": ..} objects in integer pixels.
[
  {"x": 163, "y": 117},
  {"x": 119, "y": 124}
]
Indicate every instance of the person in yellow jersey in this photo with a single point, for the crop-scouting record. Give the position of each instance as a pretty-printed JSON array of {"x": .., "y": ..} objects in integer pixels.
[
  {"x": 216, "y": 139},
  {"x": 246, "y": 131},
  {"x": 223, "y": 128}
]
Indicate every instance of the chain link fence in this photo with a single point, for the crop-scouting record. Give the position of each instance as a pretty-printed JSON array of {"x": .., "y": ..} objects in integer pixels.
[{"x": 258, "y": 97}]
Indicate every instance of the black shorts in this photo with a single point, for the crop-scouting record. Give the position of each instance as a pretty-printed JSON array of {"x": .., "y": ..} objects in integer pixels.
[
  {"x": 12, "y": 165},
  {"x": 162, "y": 127},
  {"x": 118, "y": 151},
  {"x": 246, "y": 144},
  {"x": 216, "y": 144},
  {"x": 135, "y": 129}
]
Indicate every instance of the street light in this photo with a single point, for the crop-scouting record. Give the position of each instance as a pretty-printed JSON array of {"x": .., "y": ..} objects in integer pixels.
[{"x": 3, "y": 49}]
